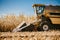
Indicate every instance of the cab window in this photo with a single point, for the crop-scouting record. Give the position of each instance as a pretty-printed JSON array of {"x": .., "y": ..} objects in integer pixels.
[{"x": 40, "y": 10}]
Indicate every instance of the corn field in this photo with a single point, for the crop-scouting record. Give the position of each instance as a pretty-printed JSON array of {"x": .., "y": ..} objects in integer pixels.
[{"x": 9, "y": 22}]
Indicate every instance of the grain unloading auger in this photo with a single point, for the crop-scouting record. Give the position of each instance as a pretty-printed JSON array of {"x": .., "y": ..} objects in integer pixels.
[{"x": 47, "y": 16}]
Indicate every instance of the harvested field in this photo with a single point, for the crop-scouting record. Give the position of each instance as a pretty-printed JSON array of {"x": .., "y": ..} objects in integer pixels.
[{"x": 46, "y": 35}]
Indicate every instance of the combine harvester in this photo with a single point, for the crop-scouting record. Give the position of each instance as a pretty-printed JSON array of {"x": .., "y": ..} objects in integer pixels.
[{"x": 46, "y": 17}]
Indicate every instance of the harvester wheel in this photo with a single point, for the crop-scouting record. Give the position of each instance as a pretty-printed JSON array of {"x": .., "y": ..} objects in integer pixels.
[{"x": 44, "y": 27}]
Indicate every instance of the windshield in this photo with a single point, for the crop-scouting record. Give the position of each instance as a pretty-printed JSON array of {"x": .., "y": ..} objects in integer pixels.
[{"x": 40, "y": 9}]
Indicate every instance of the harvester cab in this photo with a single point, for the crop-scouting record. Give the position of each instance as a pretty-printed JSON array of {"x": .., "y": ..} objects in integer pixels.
[{"x": 39, "y": 9}]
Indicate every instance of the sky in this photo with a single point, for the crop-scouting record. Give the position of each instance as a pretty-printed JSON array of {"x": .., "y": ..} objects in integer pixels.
[{"x": 18, "y": 7}]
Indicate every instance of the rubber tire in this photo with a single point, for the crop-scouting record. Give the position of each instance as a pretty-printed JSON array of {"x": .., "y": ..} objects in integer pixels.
[{"x": 40, "y": 28}]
